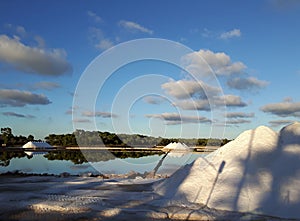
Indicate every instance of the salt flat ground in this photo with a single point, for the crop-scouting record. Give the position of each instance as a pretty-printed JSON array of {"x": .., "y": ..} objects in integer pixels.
[{"x": 91, "y": 198}]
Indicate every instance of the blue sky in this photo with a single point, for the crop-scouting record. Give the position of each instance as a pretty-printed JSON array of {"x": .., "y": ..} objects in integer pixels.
[{"x": 253, "y": 48}]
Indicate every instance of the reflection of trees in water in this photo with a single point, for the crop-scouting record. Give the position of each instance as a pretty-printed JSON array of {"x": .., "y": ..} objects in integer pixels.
[
  {"x": 75, "y": 156},
  {"x": 79, "y": 157},
  {"x": 135, "y": 154},
  {"x": 6, "y": 156}
]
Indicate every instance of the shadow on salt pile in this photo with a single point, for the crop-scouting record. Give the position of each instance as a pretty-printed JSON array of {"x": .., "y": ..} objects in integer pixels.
[{"x": 258, "y": 172}]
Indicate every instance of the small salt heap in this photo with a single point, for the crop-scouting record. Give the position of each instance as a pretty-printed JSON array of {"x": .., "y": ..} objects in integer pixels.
[
  {"x": 177, "y": 149},
  {"x": 258, "y": 172}
]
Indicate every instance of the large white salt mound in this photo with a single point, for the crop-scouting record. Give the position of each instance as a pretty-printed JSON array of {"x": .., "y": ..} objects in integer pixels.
[{"x": 258, "y": 172}]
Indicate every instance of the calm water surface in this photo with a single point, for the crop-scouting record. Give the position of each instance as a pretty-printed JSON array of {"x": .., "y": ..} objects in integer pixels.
[{"x": 75, "y": 162}]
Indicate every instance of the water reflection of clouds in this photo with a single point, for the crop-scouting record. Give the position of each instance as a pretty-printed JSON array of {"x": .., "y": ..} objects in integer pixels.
[
  {"x": 27, "y": 170},
  {"x": 177, "y": 154}
]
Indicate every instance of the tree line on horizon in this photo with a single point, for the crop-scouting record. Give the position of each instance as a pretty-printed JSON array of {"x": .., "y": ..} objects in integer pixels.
[
  {"x": 97, "y": 138},
  {"x": 8, "y": 139}
]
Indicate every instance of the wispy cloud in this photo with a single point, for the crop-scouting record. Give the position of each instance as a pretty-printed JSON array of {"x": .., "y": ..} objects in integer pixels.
[
  {"x": 98, "y": 39},
  {"x": 94, "y": 16},
  {"x": 231, "y": 34},
  {"x": 32, "y": 59},
  {"x": 81, "y": 120},
  {"x": 206, "y": 33},
  {"x": 69, "y": 112},
  {"x": 175, "y": 118},
  {"x": 20, "y": 32},
  {"x": 239, "y": 115},
  {"x": 17, "y": 29},
  {"x": 250, "y": 83},
  {"x": 153, "y": 100},
  {"x": 132, "y": 26},
  {"x": 237, "y": 121},
  {"x": 42, "y": 85},
  {"x": 277, "y": 123},
  {"x": 17, "y": 98},
  {"x": 99, "y": 114},
  {"x": 40, "y": 41},
  {"x": 285, "y": 5},
  {"x": 104, "y": 44},
  {"x": 45, "y": 85},
  {"x": 236, "y": 118},
  {"x": 13, "y": 114}
]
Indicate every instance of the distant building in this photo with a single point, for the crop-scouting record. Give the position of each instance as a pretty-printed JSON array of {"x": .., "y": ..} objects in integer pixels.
[{"x": 37, "y": 145}]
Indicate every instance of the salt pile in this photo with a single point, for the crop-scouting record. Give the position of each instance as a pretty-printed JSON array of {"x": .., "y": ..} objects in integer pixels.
[
  {"x": 177, "y": 149},
  {"x": 258, "y": 172}
]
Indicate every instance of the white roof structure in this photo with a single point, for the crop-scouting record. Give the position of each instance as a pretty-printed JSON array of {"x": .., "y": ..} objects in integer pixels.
[{"x": 37, "y": 145}]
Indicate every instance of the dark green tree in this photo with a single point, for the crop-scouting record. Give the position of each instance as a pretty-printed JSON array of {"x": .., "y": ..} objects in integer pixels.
[
  {"x": 30, "y": 138},
  {"x": 7, "y": 136}
]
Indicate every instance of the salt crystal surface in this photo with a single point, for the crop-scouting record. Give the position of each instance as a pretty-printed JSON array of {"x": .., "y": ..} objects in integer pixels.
[{"x": 258, "y": 172}]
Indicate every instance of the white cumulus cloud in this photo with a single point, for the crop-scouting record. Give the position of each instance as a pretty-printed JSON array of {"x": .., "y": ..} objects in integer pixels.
[
  {"x": 32, "y": 59},
  {"x": 184, "y": 89},
  {"x": 283, "y": 109},
  {"x": 230, "y": 100},
  {"x": 207, "y": 63}
]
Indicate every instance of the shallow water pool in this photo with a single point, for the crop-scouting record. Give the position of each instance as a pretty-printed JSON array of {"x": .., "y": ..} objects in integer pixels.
[{"x": 77, "y": 162}]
